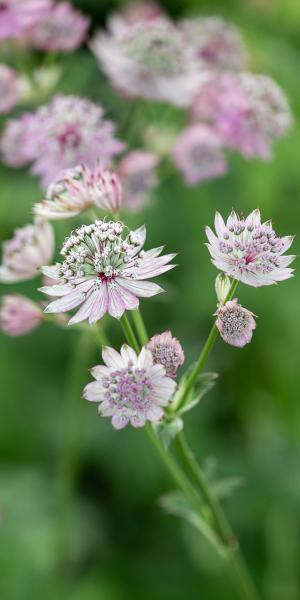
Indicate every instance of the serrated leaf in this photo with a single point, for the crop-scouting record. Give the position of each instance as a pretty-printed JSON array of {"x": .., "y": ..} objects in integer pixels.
[
  {"x": 167, "y": 430},
  {"x": 225, "y": 488},
  {"x": 204, "y": 383},
  {"x": 175, "y": 504}
]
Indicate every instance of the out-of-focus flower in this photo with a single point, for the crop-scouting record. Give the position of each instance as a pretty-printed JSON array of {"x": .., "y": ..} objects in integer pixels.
[
  {"x": 137, "y": 174},
  {"x": 235, "y": 323},
  {"x": 15, "y": 144},
  {"x": 130, "y": 388},
  {"x": 133, "y": 14},
  {"x": 79, "y": 188},
  {"x": 198, "y": 154},
  {"x": 31, "y": 247},
  {"x": 222, "y": 287},
  {"x": 67, "y": 132},
  {"x": 166, "y": 350},
  {"x": 63, "y": 29},
  {"x": 149, "y": 60},
  {"x": 249, "y": 250},
  {"x": 104, "y": 270},
  {"x": 16, "y": 16},
  {"x": 218, "y": 44},
  {"x": 19, "y": 315},
  {"x": 9, "y": 88},
  {"x": 247, "y": 111}
]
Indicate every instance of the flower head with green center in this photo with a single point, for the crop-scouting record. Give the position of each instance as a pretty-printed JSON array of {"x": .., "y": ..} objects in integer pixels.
[
  {"x": 104, "y": 269},
  {"x": 130, "y": 388}
]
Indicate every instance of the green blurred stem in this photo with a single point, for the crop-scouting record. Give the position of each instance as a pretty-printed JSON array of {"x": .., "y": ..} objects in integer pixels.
[
  {"x": 191, "y": 380},
  {"x": 129, "y": 333},
  {"x": 140, "y": 327}
]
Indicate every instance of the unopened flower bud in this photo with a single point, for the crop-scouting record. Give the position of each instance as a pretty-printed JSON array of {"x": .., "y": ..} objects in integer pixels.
[
  {"x": 222, "y": 287},
  {"x": 167, "y": 351},
  {"x": 235, "y": 323}
]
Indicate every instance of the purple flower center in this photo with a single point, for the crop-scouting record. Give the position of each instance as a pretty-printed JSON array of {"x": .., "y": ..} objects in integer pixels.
[
  {"x": 70, "y": 138},
  {"x": 103, "y": 277},
  {"x": 129, "y": 389}
]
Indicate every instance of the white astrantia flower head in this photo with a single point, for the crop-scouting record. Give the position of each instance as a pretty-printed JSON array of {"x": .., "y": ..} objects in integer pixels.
[
  {"x": 104, "y": 269},
  {"x": 149, "y": 59},
  {"x": 29, "y": 249},
  {"x": 249, "y": 251},
  {"x": 166, "y": 350},
  {"x": 235, "y": 323},
  {"x": 77, "y": 189},
  {"x": 19, "y": 315},
  {"x": 130, "y": 388}
]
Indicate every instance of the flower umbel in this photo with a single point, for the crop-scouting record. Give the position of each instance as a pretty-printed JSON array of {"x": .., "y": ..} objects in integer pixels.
[
  {"x": 29, "y": 249},
  {"x": 166, "y": 350},
  {"x": 104, "y": 270},
  {"x": 130, "y": 388},
  {"x": 18, "y": 15},
  {"x": 63, "y": 29},
  {"x": 19, "y": 315},
  {"x": 235, "y": 323},
  {"x": 249, "y": 250}
]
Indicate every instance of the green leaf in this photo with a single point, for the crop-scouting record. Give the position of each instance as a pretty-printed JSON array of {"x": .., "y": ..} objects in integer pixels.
[
  {"x": 167, "y": 430},
  {"x": 203, "y": 384},
  {"x": 225, "y": 488},
  {"x": 175, "y": 503}
]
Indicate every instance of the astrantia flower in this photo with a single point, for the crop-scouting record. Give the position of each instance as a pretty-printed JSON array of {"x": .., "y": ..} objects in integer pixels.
[
  {"x": 104, "y": 270},
  {"x": 198, "y": 154},
  {"x": 149, "y": 60},
  {"x": 133, "y": 14},
  {"x": 9, "y": 88},
  {"x": 137, "y": 173},
  {"x": 166, "y": 350},
  {"x": 247, "y": 111},
  {"x": 249, "y": 250},
  {"x": 63, "y": 29},
  {"x": 30, "y": 248},
  {"x": 218, "y": 44},
  {"x": 19, "y": 315},
  {"x": 79, "y": 188},
  {"x": 16, "y": 16},
  {"x": 235, "y": 323},
  {"x": 70, "y": 131},
  {"x": 130, "y": 388},
  {"x": 15, "y": 143}
]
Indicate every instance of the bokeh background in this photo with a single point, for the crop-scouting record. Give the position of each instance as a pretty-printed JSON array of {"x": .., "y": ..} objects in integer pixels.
[{"x": 80, "y": 517}]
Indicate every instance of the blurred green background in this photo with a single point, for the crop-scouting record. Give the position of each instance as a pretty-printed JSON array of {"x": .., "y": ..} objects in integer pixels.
[{"x": 79, "y": 512}]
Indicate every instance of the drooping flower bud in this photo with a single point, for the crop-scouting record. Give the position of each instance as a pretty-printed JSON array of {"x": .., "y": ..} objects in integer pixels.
[{"x": 235, "y": 323}]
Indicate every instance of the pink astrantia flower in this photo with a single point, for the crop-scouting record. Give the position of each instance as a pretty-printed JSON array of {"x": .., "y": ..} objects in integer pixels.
[
  {"x": 235, "y": 323},
  {"x": 218, "y": 44},
  {"x": 16, "y": 16},
  {"x": 16, "y": 142},
  {"x": 19, "y": 315},
  {"x": 137, "y": 174},
  {"x": 9, "y": 88},
  {"x": 198, "y": 154},
  {"x": 67, "y": 132},
  {"x": 249, "y": 250},
  {"x": 130, "y": 388},
  {"x": 247, "y": 111},
  {"x": 30, "y": 248},
  {"x": 104, "y": 270},
  {"x": 150, "y": 59},
  {"x": 166, "y": 350},
  {"x": 79, "y": 188},
  {"x": 62, "y": 30}
]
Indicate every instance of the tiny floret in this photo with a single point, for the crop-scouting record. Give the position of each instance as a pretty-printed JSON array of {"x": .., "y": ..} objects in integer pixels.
[
  {"x": 235, "y": 323},
  {"x": 166, "y": 350},
  {"x": 19, "y": 315},
  {"x": 249, "y": 251},
  {"x": 130, "y": 388},
  {"x": 104, "y": 269}
]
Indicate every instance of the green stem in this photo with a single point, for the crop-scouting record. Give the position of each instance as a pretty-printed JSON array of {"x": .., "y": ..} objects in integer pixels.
[
  {"x": 189, "y": 384},
  {"x": 140, "y": 327},
  {"x": 129, "y": 333}
]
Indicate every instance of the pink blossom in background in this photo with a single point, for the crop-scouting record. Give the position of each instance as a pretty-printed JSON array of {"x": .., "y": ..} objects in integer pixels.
[
  {"x": 198, "y": 154},
  {"x": 16, "y": 16},
  {"x": 248, "y": 111},
  {"x": 133, "y": 14},
  {"x": 166, "y": 350},
  {"x": 67, "y": 132},
  {"x": 16, "y": 145},
  {"x": 77, "y": 189},
  {"x": 137, "y": 174},
  {"x": 150, "y": 59},
  {"x": 104, "y": 269},
  {"x": 249, "y": 250},
  {"x": 10, "y": 92},
  {"x": 63, "y": 29},
  {"x": 130, "y": 388},
  {"x": 217, "y": 43},
  {"x": 235, "y": 323},
  {"x": 31, "y": 247},
  {"x": 19, "y": 315}
]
